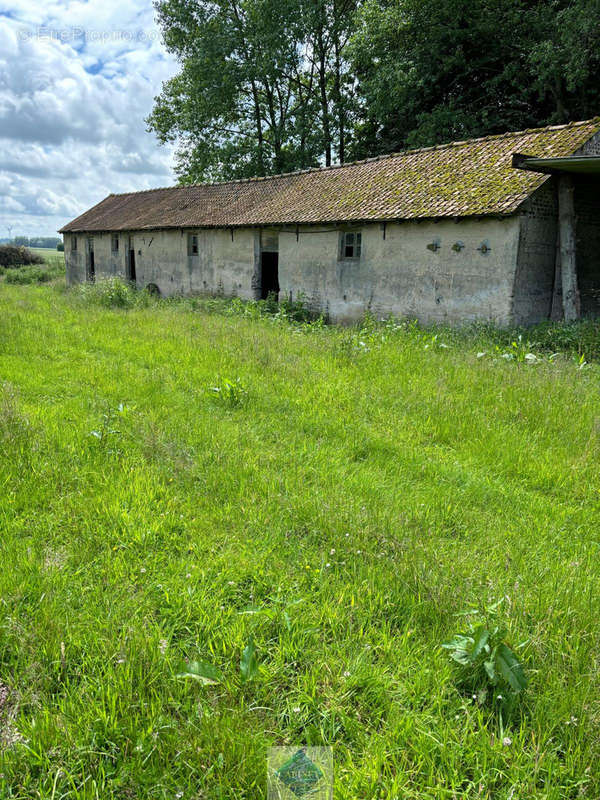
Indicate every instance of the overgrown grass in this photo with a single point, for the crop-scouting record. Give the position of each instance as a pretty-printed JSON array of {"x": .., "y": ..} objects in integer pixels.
[
  {"x": 27, "y": 275},
  {"x": 360, "y": 490},
  {"x": 50, "y": 270}
]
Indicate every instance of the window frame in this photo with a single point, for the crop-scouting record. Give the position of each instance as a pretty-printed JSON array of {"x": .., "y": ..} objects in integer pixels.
[
  {"x": 355, "y": 246},
  {"x": 114, "y": 239},
  {"x": 193, "y": 244},
  {"x": 73, "y": 244}
]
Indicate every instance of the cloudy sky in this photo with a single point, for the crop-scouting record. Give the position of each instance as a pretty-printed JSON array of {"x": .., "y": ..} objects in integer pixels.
[{"x": 77, "y": 80}]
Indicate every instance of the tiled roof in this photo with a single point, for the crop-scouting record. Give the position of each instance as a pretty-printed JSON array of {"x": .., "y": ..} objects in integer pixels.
[{"x": 472, "y": 178}]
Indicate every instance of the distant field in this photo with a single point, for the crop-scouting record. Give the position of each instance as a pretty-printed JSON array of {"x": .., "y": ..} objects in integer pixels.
[
  {"x": 339, "y": 500},
  {"x": 47, "y": 252}
]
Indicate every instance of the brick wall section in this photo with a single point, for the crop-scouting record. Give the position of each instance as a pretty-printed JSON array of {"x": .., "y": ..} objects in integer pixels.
[
  {"x": 534, "y": 277},
  {"x": 587, "y": 210}
]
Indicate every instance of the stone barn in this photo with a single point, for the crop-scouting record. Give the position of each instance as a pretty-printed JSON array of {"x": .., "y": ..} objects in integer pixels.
[{"x": 504, "y": 228}]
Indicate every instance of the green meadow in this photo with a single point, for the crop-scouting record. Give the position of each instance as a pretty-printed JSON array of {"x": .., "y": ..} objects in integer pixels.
[
  {"x": 47, "y": 252},
  {"x": 309, "y": 512}
]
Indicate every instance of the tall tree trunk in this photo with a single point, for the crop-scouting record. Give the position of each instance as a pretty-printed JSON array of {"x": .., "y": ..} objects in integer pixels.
[
  {"x": 323, "y": 96},
  {"x": 255, "y": 95},
  {"x": 259, "y": 130},
  {"x": 559, "y": 99},
  {"x": 275, "y": 130},
  {"x": 341, "y": 112}
]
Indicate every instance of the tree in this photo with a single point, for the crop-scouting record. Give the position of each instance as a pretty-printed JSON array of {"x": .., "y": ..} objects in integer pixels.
[
  {"x": 231, "y": 107},
  {"x": 431, "y": 71},
  {"x": 565, "y": 60},
  {"x": 267, "y": 86},
  {"x": 263, "y": 86},
  {"x": 329, "y": 24}
]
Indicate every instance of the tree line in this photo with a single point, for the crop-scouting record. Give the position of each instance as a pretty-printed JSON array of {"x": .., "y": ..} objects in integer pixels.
[
  {"x": 36, "y": 241},
  {"x": 269, "y": 86}
]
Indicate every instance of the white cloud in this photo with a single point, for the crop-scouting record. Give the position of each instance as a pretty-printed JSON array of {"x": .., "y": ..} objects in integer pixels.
[{"x": 77, "y": 80}]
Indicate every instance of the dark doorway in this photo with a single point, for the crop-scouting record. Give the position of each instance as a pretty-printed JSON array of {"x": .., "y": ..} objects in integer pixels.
[
  {"x": 131, "y": 270},
  {"x": 269, "y": 275},
  {"x": 91, "y": 264}
]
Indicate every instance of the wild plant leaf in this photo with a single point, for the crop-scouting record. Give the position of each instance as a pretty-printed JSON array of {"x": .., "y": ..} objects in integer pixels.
[
  {"x": 461, "y": 648},
  {"x": 200, "y": 671},
  {"x": 253, "y": 610},
  {"x": 249, "y": 662},
  {"x": 509, "y": 666},
  {"x": 481, "y": 636},
  {"x": 490, "y": 668}
]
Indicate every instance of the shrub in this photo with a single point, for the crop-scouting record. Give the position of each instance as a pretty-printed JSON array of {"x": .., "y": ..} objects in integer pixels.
[
  {"x": 60, "y": 247},
  {"x": 27, "y": 275},
  {"x": 13, "y": 256},
  {"x": 108, "y": 292}
]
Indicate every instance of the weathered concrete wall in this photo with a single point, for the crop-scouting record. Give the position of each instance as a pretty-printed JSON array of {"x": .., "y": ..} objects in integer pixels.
[
  {"x": 74, "y": 261},
  {"x": 466, "y": 273},
  {"x": 224, "y": 265},
  {"x": 400, "y": 275}
]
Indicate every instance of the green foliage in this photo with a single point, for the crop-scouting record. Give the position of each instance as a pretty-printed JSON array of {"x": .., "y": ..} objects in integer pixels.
[
  {"x": 13, "y": 256},
  {"x": 488, "y": 666},
  {"x": 263, "y": 87},
  {"x": 111, "y": 293},
  {"x": 200, "y": 671},
  {"x": 38, "y": 242},
  {"x": 110, "y": 430},
  {"x": 431, "y": 72},
  {"x": 29, "y": 275},
  {"x": 341, "y": 519},
  {"x": 288, "y": 312},
  {"x": 270, "y": 86},
  {"x": 249, "y": 662},
  {"x": 230, "y": 393}
]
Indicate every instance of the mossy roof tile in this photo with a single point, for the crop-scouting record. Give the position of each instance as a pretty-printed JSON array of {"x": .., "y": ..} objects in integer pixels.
[{"x": 471, "y": 178}]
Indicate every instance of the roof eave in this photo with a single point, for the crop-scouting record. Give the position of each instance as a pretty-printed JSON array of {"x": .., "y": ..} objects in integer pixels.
[{"x": 292, "y": 224}]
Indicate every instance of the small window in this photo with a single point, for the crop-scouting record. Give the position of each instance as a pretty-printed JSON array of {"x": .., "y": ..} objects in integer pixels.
[
  {"x": 115, "y": 243},
  {"x": 192, "y": 244},
  {"x": 73, "y": 244},
  {"x": 351, "y": 245}
]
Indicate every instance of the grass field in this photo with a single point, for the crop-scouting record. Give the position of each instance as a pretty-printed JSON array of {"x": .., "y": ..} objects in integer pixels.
[
  {"x": 339, "y": 502},
  {"x": 47, "y": 252}
]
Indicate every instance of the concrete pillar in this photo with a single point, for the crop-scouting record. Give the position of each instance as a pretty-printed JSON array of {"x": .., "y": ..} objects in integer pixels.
[{"x": 568, "y": 247}]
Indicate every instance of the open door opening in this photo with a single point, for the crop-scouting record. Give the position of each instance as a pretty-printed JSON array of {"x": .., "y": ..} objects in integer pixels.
[
  {"x": 269, "y": 275},
  {"x": 131, "y": 276},
  {"x": 91, "y": 271},
  {"x": 131, "y": 269}
]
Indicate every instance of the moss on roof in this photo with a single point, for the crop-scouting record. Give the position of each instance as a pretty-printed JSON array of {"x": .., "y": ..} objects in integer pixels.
[{"x": 471, "y": 178}]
